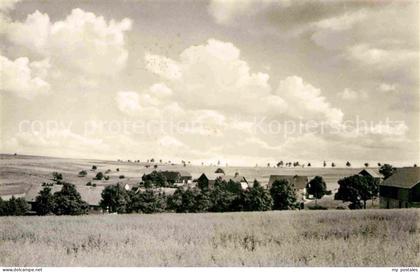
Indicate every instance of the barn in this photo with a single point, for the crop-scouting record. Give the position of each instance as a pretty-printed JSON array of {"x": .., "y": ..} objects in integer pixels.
[
  {"x": 210, "y": 179},
  {"x": 180, "y": 176},
  {"x": 401, "y": 190},
  {"x": 90, "y": 194}
]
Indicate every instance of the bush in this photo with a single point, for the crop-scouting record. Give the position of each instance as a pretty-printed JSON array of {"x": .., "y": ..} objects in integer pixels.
[
  {"x": 121, "y": 177},
  {"x": 108, "y": 171},
  {"x": 82, "y": 173},
  {"x": 256, "y": 199},
  {"x": 191, "y": 200},
  {"x": 156, "y": 179},
  {"x": 106, "y": 177},
  {"x": 57, "y": 176},
  {"x": 89, "y": 183},
  {"x": 94, "y": 167},
  {"x": 99, "y": 176}
]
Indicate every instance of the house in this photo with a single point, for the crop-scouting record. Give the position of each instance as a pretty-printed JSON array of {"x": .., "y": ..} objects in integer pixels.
[
  {"x": 374, "y": 173},
  {"x": 298, "y": 182},
  {"x": 208, "y": 180},
  {"x": 401, "y": 190},
  {"x": 180, "y": 176},
  {"x": 90, "y": 194}
]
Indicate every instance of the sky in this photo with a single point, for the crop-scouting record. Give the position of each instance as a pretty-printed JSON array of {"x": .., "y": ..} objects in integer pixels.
[{"x": 241, "y": 82}]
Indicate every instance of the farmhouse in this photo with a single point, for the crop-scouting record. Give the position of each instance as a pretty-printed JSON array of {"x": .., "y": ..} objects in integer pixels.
[
  {"x": 374, "y": 173},
  {"x": 401, "y": 190},
  {"x": 298, "y": 182},
  {"x": 180, "y": 176},
  {"x": 90, "y": 194},
  {"x": 210, "y": 179}
]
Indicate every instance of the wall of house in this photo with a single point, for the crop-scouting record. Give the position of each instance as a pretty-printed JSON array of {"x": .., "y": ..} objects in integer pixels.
[{"x": 390, "y": 203}]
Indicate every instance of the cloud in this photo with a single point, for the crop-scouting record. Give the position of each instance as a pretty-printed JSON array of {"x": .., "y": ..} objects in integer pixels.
[
  {"x": 306, "y": 101},
  {"x": 213, "y": 76},
  {"x": 24, "y": 78},
  {"x": 349, "y": 94},
  {"x": 7, "y": 5},
  {"x": 384, "y": 87},
  {"x": 82, "y": 42},
  {"x": 128, "y": 102}
]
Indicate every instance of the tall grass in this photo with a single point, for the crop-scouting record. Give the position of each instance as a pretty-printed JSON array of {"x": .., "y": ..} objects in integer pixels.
[{"x": 304, "y": 238}]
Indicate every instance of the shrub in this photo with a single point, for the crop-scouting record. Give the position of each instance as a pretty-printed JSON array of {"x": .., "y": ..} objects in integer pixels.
[
  {"x": 156, "y": 179},
  {"x": 94, "y": 167},
  {"x": 191, "y": 200},
  {"x": 256, "y": 199},
  {"x": 121, "y": 177},
  {"x": 13, "y": 206},
  {"x": 108, "y": 171},
  {"x": 89, "y": 183},
  {"x": 57, "y": 176},
  {"x": 99, "y": 176},
  {"x": 82, "y": 173}
]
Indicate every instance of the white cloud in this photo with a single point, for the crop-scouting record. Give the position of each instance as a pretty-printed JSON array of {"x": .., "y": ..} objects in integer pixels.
[
  {"x": 23, "y": 78},
  {"x": 306, "y": 101},
  {"x": 349, "y": 94},
  {"x": 384, "y": 87},
  {"x": 341, "y": 22},
  {"x": 226, "y": 11},
  {"x": 7, "y": 5},
  {"x": 82, "y": 42},
  {"x": 213, "y": 76},
  {"x": 128, "y": 102}
]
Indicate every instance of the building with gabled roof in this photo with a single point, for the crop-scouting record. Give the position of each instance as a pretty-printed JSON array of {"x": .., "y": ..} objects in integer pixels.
[
  {"x": 401, "y": 190},
  {"x": 374, "y": 173}
]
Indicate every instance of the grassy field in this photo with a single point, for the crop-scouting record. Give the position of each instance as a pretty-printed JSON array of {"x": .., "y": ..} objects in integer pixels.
[
  {"x": 18, "y": 173},
  {"x": 289, "y": 238}
]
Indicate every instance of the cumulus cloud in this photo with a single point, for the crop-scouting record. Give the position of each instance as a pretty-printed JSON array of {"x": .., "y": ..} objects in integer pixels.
[
  {"x": 384, "y": 87},
  {"x": 306, "y": 101},
  {"x": 213, "y": 76},
  {"x": 82, "y": 42},
  {"x": 24, "y": 78}
]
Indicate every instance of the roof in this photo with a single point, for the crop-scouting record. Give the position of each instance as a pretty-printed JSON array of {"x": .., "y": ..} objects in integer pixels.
[
  {"x": 236, "y": 178},
  {"x": 166, "y": 190},
  {"x": 174, "y": 175},
  {"x": 184, "y": 173},
  {"x": 299, "y": 182},
  {"x": 90, "y": 194},
  {"x": 406, "y": 177},
  {"x": 374, "y": 173},
  {"x": 211, "y": 176}
]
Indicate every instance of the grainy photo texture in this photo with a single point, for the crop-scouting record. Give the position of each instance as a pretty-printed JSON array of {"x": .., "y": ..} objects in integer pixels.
[{"x": 140, "y": 133}]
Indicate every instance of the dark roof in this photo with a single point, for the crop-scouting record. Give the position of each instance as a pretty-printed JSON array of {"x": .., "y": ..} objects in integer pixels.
[
  {"x": 236, "y": 178},
  {"x": 406, "y": 177},
  {"x": 90, "y": 194},
  {"x": 374, "y": 173},
  {"x": 299, "y": 182},
  {"x": 210, "y": 176},
  {"x": 175, "y": 175}
]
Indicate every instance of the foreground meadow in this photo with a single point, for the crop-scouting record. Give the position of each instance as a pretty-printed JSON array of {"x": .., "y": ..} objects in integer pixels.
[{"x": 289, "y": 238}]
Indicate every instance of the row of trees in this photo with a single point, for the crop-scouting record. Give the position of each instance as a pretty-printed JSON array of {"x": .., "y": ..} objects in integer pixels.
[
  {"x": 222, "y": 197},
  {"x": 13, "y": 206}
]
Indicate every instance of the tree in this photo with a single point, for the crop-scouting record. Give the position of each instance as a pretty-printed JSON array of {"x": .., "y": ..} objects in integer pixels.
[
  {"x": 118, "y": 169},
  {"x": 14, "y": 206},
  {"x": 256, "y": 198},
  {"x": 94, "y": 167},
  {"x": 57, "y": 176},
  {"x": 99, "y": 176},
  {"x": 356, "y": 189},
  {"x": 283, "y": 195},
  {"x": 147, "y": 201},
  {"x": 386, "y": 170},
  {"x": 114, "y": 199},
  {"x": 69, "y": 202},
  {"x": 379, "y": 164},
  {"x": 332, "y": 164},
  {"x": 82, "y": 173},
  {"x": 309, "y": 164},
  {"x": 224, "y": 196},
  {"x": 189, "y": 200},
  {"x": 317, "y": 187},
  {"x": 366, "y": 164},
  {"x": 121, "y": 177},
  {"x": 219, "y": 171},
  {"x": 348, "y": 164},
  {"x": 325, "y": 163},
  {"x": 280, "y": 164},
  {"x": 44, "y": 202},
  {"x": 156, "y": 179}
]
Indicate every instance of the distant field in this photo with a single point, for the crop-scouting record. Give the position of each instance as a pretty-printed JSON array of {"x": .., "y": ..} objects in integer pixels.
[
  {"x": 17, "y": 173},
  {"x": 284, "y": 238}
]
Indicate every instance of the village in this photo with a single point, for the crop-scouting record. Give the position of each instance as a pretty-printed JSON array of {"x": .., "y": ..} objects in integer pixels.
[{"x": 177, "y": 190}]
